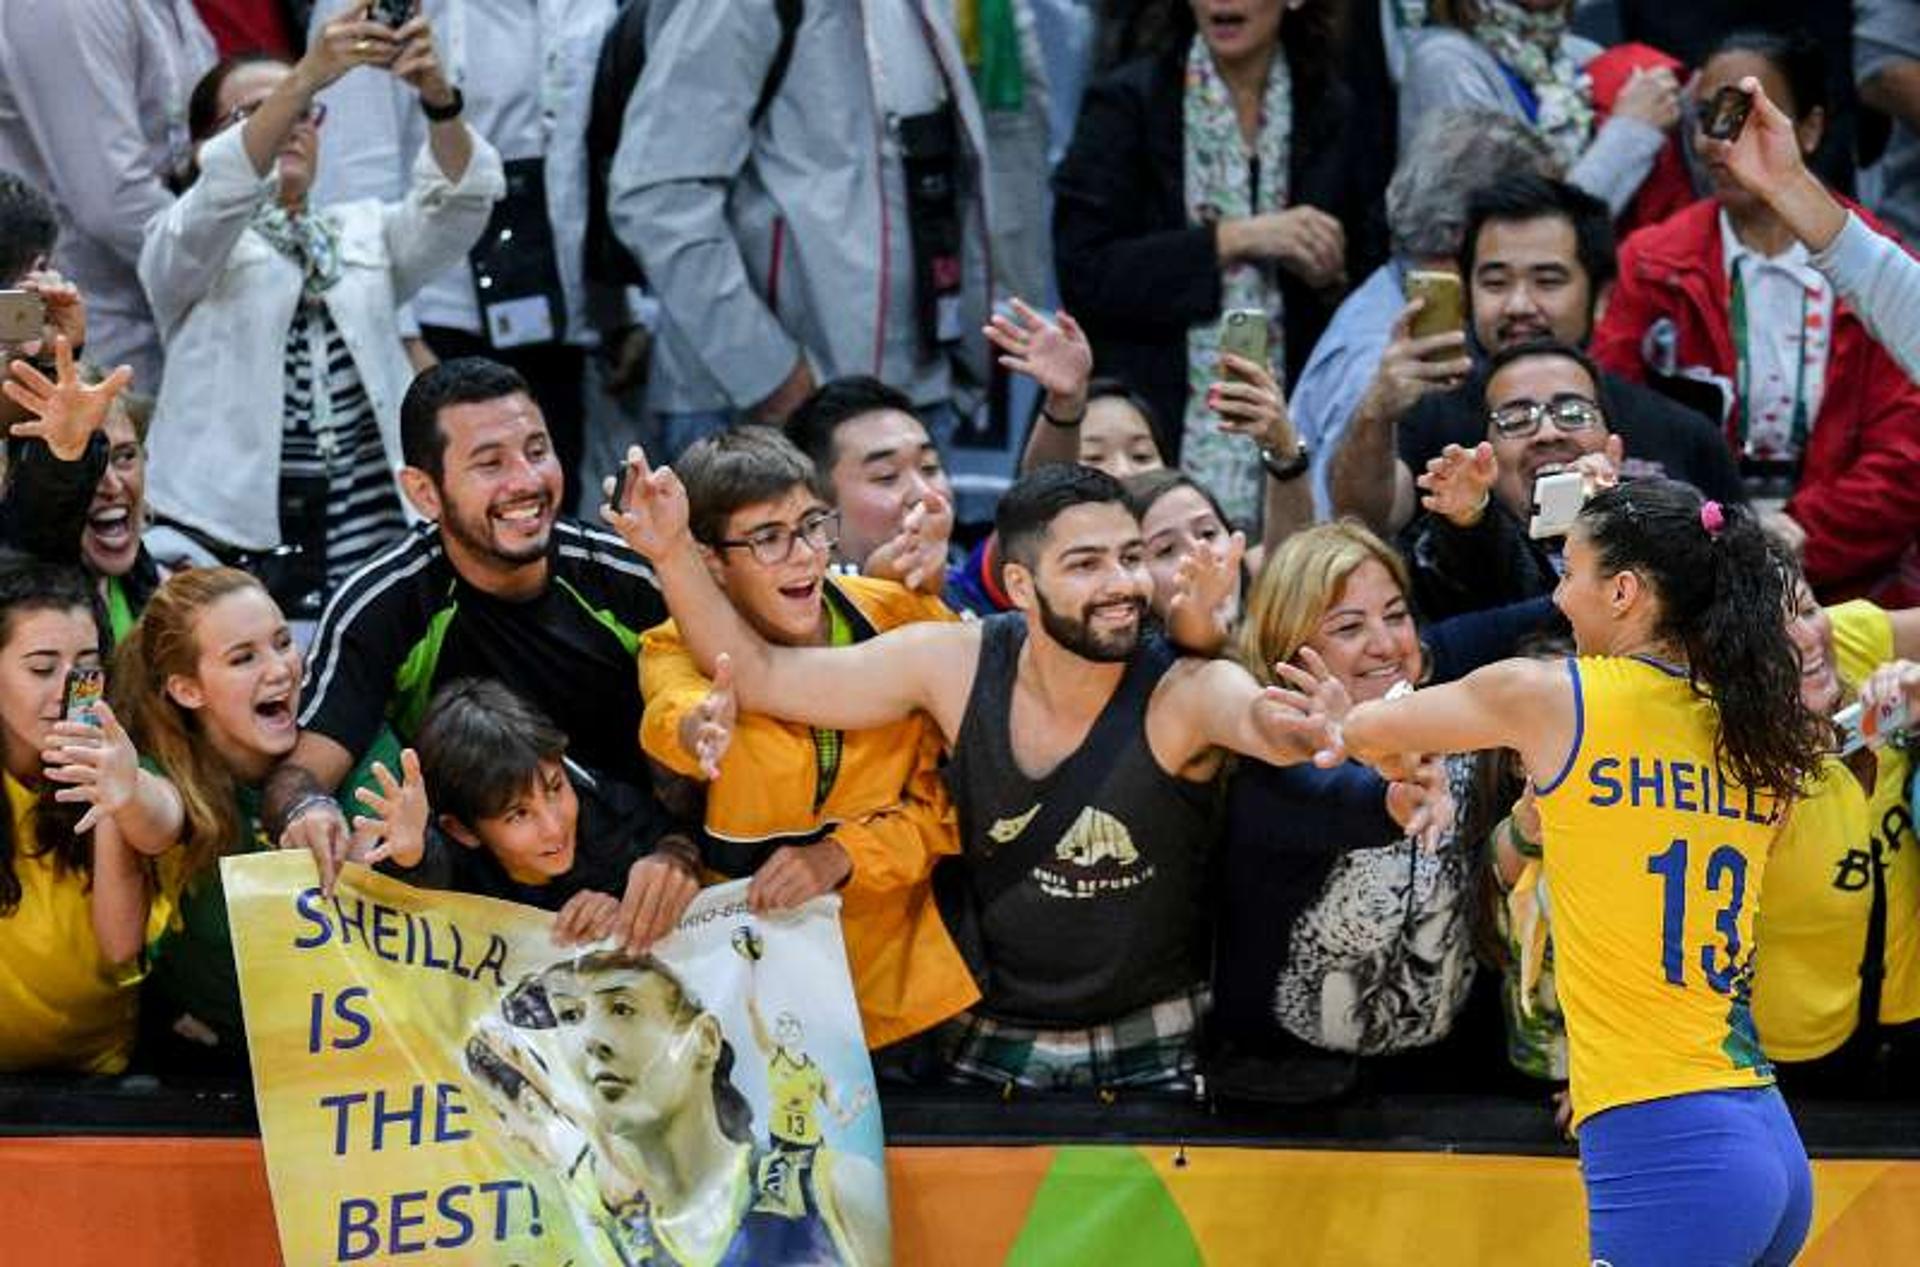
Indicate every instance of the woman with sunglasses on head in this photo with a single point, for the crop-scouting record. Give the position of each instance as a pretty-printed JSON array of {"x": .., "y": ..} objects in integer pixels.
[
  {"x": 1664, "y": 759},
  {"x": 275, "y": 439}
]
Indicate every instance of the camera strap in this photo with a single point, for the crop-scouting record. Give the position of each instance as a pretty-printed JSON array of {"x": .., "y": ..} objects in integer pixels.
[{"x": 930, "y": 164}]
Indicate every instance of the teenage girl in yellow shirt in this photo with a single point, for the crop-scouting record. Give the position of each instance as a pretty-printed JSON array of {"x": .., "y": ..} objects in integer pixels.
[
  {"x": 1663, "y": 758},
  {"x": 63, "y": 1006}
]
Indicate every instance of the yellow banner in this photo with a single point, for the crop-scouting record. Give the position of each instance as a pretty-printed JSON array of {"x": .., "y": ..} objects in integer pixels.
[{"x": 438, "y": 1082}]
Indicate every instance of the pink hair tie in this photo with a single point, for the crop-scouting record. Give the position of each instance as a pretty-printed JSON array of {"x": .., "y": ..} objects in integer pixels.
[{"x": 1712, "y": 518}]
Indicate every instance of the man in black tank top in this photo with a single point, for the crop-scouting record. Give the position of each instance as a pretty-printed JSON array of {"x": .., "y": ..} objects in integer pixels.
[{"x": 1083, "y": 761}]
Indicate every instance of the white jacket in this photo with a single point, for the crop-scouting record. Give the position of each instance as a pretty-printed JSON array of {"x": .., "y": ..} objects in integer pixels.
[{"x": 224, "y": 299}]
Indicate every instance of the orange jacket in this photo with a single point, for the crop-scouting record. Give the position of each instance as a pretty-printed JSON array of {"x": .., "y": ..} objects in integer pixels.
[{"x": 888, "y": 808}]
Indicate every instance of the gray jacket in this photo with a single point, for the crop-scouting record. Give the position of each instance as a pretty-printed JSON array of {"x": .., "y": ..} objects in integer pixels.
[
  {"x": 763, "y": 241},
  {"x": 1450, "y": 70}
]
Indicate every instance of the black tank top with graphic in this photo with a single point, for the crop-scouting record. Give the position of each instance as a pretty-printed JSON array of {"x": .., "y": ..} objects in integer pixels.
[{"x": 1105, "y": 917}]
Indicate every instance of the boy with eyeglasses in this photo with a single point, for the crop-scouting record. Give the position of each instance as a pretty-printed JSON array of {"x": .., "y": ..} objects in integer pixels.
[{"x": 806, "y": 811}]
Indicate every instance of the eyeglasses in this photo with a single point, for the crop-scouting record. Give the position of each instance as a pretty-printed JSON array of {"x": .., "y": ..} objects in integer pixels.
[
  {"x": 1519, "y": 419},
  {"x": 773, "y": 544},
  {"x": 316, "y": 114}
]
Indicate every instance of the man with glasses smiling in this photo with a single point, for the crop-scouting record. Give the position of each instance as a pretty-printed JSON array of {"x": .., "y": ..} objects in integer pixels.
[
  {"x": 1472, "y": 550},
  {"x": 806, "y": 810}
]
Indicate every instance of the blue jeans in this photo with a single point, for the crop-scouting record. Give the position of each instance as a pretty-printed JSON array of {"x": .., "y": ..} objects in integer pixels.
[{"x": 1710, "y": 1179}]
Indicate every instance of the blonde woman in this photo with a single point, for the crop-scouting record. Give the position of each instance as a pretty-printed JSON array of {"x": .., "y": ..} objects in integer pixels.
[
  {"x": 1345, "y": 925},
  {"x": 204, "y": 690}
]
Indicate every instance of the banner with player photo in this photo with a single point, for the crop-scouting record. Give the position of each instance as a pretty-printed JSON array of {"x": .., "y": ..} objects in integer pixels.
[{"x": 439, "y": 1083}]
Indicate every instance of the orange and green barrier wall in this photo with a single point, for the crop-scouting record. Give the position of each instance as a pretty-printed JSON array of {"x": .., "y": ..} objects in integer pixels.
[{"x": 156, "y": 1202}]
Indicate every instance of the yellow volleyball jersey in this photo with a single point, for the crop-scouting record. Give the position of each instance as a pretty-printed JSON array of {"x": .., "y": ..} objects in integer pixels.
[
  {"x": 1655, "y": 860},
  {"x": 62, "y": 1005},
  {"x": 1811, "y": 932},
  {"x": 796, "y": 1086}
]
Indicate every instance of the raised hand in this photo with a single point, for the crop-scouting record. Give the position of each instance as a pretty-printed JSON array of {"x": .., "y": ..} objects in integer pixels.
[
  {"x": 653, "y": 518},
  {"x": 66, "y": 310},
  {"x": 1458, "y": 484},
  {"x": 707, "y": 731},
  {"x": 1313, "y": 690},
  {"x": 1053, "y": 353},
  {"x": 417, "y": 63},
  {"x": 1249, "y": 403},
  {"x": 916, "y": 556},
  {"x": 399, "y": 814},
  {"x": 1207, "y": 581},
  {"x": 97, "y": 766},
  {"x": 65, "y": 411},
  {"x": 1766, "y": 156},
  {"x": 1411, "y": 368},
  {"x": 1651, "y": 95},
  {"x": 349, "y": 39}
]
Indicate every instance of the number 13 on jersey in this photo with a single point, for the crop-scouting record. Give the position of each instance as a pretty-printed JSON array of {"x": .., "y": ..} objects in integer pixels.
[{"x": 1725, "y": 886}]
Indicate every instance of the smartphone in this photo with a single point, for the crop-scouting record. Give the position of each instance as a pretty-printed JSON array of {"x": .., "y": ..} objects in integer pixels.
[
  {"x": 1243, "y": 332},
  {"x": 1726, "y": 114},
  {"x": 1557, "y": 499},
  {"x": 1445, "y": 309},
  {"x": 23, "y": 316},
  {"x": 85, "y": 687},
  {"x": 1885, "y": 721},
  {"x": 622, "y": 475},
  {"x": 389, "y": 13},
  {"x": 1862, "y": 729}
]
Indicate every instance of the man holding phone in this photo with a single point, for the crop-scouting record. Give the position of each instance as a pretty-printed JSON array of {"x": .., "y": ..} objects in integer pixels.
[{"x": 1537, "y": 259}]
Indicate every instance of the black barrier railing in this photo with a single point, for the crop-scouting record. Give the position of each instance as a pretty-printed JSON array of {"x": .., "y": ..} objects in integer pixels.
[{"x": 1480, "y": 1124}]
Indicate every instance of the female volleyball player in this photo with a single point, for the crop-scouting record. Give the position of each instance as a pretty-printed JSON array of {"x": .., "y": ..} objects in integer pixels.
[{"x": 1663, "y": 757}]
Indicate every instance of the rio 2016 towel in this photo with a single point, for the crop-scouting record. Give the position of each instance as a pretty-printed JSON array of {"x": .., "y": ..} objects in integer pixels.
[{"x": 439, "y": 1083}]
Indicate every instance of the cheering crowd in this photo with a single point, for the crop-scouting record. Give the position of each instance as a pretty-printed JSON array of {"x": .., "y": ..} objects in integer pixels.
[{"x": 1366, "y": 345}]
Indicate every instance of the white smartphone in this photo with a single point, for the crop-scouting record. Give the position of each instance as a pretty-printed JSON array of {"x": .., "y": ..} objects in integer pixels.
[
  {"x": 1557, "y": 499},
  {"x": 1861, "y": 729}
]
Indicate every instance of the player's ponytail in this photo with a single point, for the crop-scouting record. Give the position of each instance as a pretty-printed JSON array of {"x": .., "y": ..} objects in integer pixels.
[{"x": 1722, "y": 597}]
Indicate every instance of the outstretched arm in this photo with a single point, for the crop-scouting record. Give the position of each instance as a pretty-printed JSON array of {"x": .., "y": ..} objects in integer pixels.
[
  {"x": 924, "y": 665},
  {"x": 1526, "y": 705}
]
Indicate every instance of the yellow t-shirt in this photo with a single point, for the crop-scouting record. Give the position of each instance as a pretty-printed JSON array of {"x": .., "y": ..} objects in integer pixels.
[
  {"x": 1812, "y": 929},
  {"x": 62, "y": 1005},
  {"x": 796, "y": 1086},
  {"x": 1655, "y": 861}
]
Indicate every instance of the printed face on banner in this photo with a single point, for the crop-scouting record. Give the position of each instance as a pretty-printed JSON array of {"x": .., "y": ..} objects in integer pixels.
[{"x": 496, "y": 1098}]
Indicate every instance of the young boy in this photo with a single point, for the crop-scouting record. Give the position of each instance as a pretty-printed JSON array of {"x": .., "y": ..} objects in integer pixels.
[{"x": 489, "y": 804}]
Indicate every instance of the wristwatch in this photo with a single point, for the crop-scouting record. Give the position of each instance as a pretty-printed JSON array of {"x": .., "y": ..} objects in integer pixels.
[
  {"x": 440, "y": 114},
  {"x": 1283, "y": 468}
]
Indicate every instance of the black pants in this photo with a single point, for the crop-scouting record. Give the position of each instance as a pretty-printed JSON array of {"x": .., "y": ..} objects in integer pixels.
[{"x": 557, "y": 374}]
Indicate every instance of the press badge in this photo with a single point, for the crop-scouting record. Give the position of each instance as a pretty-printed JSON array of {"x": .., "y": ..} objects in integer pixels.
[{"x": 516, "y": 276}]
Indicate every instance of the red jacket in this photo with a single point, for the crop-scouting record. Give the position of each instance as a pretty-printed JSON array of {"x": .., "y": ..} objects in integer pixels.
[{"x": 1859, "y": 492}]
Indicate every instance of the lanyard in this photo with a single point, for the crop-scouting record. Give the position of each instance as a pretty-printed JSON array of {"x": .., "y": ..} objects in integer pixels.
[{"x": 1743, "y": 369}]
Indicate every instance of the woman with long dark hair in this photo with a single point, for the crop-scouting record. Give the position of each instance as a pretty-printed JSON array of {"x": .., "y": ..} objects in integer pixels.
[
  {"x": 63, "y": 1003},
  {"x": 1664, "y": 758}
]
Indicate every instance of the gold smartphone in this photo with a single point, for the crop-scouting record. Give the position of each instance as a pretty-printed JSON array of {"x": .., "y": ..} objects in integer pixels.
[
  {"x": 1445, "y": 307},
  {"x": 1243, "y": 332}
]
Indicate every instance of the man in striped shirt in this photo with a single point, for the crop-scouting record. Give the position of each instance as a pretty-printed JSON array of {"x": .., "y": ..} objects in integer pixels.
[{"x": 495, "y": 585}]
